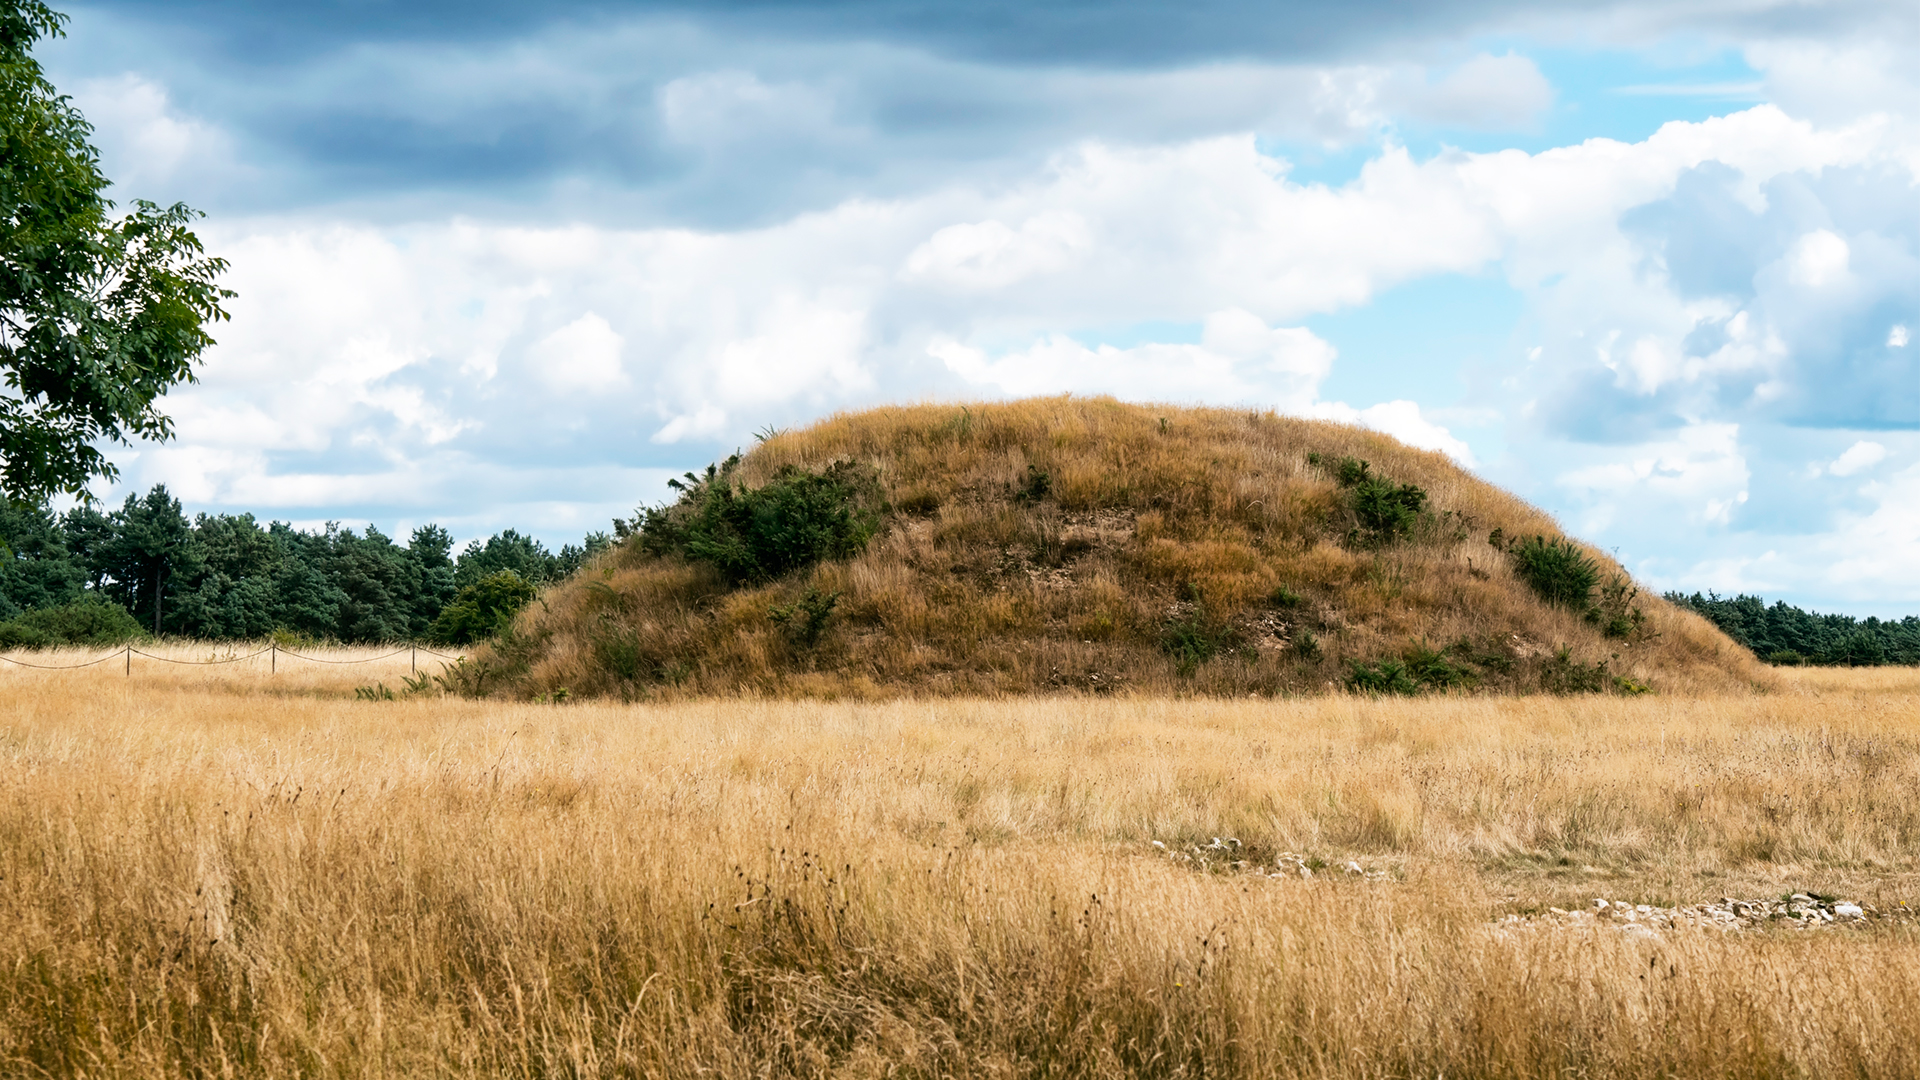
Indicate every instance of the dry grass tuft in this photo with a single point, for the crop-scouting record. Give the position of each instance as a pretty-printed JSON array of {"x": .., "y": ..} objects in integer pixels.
[
  {"x": 255, "y": 875},
  {"x": 1154, "y": 522}
]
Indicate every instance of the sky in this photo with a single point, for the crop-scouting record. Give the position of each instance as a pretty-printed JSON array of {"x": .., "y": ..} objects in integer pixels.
[{"x": 1655, "y": 267}]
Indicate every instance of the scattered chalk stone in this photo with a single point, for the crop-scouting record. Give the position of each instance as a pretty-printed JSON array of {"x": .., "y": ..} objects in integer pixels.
[
  {"x": 1801, "y": 911},
  {"x": 1229, "y": 855}
]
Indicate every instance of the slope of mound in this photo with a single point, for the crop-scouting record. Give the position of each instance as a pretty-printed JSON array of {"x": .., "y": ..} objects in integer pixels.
[{"x": 1070, "y": 545}]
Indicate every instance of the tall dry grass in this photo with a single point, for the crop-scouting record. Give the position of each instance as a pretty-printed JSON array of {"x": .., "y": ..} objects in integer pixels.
[
  {"x": 239, "y": 667},
  {"x": 206, "y": 875},
  {"x": 1151, "y": 516}
]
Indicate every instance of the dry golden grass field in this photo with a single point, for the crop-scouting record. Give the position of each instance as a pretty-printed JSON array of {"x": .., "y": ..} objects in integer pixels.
[{"x": 226, "y": 872}]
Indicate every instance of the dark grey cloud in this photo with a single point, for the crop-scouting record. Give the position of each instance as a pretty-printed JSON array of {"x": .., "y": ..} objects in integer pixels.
[
  {"x": 1124, "y": 33},
  {"x": 674, "y": 122},
  {"x": 498, "y": 109}
]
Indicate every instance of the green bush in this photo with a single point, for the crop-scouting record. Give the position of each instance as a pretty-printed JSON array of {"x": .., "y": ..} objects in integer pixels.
[
  {"x": 1306, "y": 646},
  {"x": 89, "y": 622},
  {"x": 806, "y": 618},
  {"x": 1385, "y": 677},
  {"x": 752, "y": 535},
  {"x": 1565, "y": 675},
  {"x": 482, "y": 609},
  {"x": 1422, "y": 668},
  {"x": 1386, "y": 510},
  {"x": 1614, "y": 612},
  {"x": 662, "y": 530},
  {"x": 1038, "y": 486},
  {"x": 1485, "y": 659},
  {"x": 1560, "y": 573},
  {"x": 1193, "y": 641},
  {"x": 1557, "y": 570},
  {"x": 1431, "y": 668}
]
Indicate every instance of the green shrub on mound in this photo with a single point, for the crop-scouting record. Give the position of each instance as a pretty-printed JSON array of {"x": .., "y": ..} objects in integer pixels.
[
  {"x": 482, "y": 609},
  {"x": 756, "y": 534},
  {"x": 1086, "y": 546},
  {"x": 1562, "y": 574},
  {"x": 1557, "y": 569}
]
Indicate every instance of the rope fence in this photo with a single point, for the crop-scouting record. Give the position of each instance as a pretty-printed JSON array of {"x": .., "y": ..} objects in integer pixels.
[{"x": 273, "y": 652}]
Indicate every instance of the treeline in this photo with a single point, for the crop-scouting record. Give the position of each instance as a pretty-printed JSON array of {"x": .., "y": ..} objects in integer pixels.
[
  {"x": 88, "y": 576},
  {"x": 1784, "y": 634}
]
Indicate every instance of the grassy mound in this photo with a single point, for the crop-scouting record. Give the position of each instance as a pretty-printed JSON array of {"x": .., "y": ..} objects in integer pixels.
[{"x": 1070, "y": 545}]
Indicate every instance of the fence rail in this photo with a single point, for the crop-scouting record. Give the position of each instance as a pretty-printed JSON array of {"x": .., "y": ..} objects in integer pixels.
[{"x": 273, "y": 652}]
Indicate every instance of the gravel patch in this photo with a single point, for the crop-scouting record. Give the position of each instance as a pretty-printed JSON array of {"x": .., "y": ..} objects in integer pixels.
[{"x": 1801, "y": 911}]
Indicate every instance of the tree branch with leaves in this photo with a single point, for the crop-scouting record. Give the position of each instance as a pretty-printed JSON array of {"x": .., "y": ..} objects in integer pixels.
[{"x": 100, "y": 315}]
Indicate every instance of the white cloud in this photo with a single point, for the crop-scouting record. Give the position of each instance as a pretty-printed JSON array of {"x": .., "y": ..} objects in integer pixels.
[
  {"x": 798, "y": 348},
  {"x": 1490, "y": 92},
  {"x": 149, "y": 147},
  {"x": 1401, "y": 419},
  {"x": 706, "y": 423},
  {"x": 583, "y": 355},
  {"x": 1694, "y": 478},
  {"x": 1838, "y": 82},
  {"x": 987, "y": 255},
  {"x": 1238, "y": 359},
  {"x": 720, "y": 108},
  {"x": 1818, "y": 259},
  {"x": 1897, "y": 337},
  {"x": 1872, "y": 555},
  {"x": 1857, "y": 556},
  {"x": 1861, "y": 455}
]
